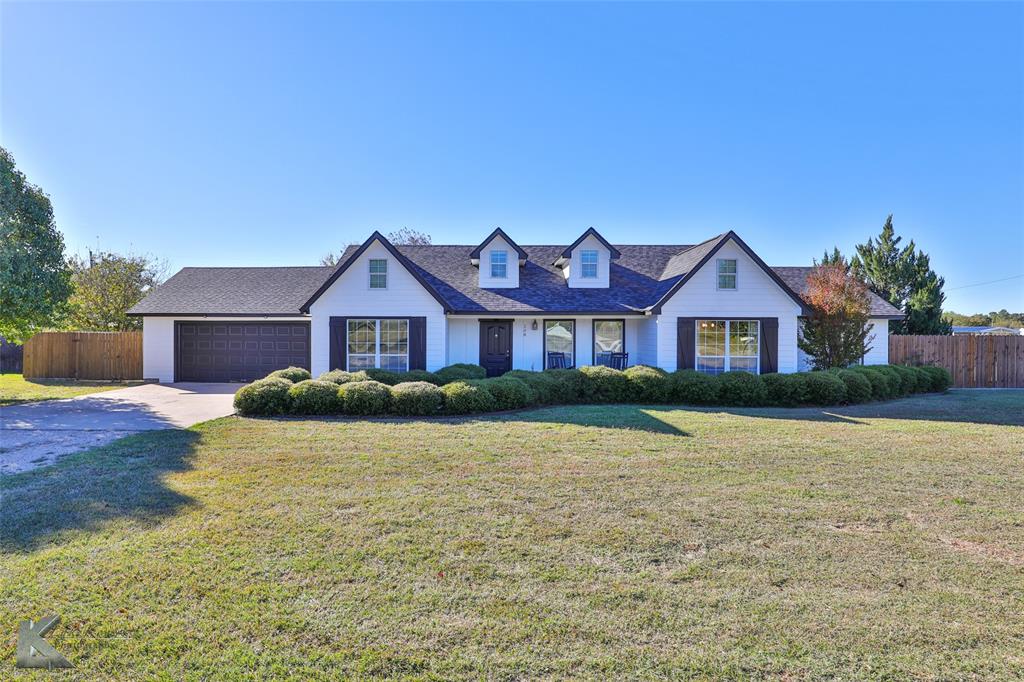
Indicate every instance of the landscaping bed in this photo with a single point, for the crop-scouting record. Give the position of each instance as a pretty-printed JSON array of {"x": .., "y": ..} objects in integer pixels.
[{"x": 464, "y": 389}]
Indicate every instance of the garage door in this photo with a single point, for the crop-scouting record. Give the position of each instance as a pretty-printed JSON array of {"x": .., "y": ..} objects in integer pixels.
[{"x": 238, "y": 351}]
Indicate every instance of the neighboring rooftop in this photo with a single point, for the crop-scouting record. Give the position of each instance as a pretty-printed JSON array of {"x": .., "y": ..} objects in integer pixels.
[{"x": 989, "y": 331}]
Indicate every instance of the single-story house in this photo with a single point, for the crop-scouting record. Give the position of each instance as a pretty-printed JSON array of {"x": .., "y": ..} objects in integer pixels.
[{"x": 713, "y": 306}]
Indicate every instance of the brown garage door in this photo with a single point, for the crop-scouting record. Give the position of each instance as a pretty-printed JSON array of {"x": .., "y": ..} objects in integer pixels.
[{"x": 238, "y": 351}]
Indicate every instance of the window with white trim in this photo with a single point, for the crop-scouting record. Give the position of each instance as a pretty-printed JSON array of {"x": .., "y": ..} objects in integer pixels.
[
  {"x": 378, "y": 273},
  {"x": 378, "y": 343},
  {"x": 588, "y": 263},
  {"x": 559, "y": 338},
  {"x": 726, "y": 273},
  {"x": 499, "y": 264},
  {"x": 728, "y": 345}
]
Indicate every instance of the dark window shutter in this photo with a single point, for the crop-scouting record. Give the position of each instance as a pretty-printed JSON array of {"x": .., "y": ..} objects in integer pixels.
[
  {"x": 769, "y": 345},
  {"x": 339, "y": 343},
  {"x": 686, "y": 340},
  {"x": 417, "y": 343}
]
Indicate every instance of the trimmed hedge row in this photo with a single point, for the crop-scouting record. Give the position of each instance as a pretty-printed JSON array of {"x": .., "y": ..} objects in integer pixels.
[{"x": 463, "y": 389}]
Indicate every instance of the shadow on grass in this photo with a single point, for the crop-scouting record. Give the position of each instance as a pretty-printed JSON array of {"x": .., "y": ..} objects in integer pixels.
[
  {"x": 87, "y": 491},
  {"x": 638, "y": 417}
]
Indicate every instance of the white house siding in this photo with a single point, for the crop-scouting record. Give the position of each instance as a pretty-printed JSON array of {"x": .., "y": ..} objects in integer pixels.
[
  {"x": 158, "y": 341},
  {"x": 756, "y": 295},
  {"x": 646, "y": 341},
  {"x": 528, "y": 343},
  {"x": 878, "y": 355},
  {"x": 574, "y": 270},
  {"x": 350, "y": 296},
  {"x": 488, "y": 282}
]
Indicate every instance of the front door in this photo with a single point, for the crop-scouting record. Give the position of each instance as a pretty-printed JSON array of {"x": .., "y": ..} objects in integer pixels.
[{"x": 496, "y": 347}]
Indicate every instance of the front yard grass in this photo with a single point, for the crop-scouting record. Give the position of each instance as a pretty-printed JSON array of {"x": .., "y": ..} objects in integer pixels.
[
  {"x": 873, "y": 542},
  {"x": 14, "y": 388}
]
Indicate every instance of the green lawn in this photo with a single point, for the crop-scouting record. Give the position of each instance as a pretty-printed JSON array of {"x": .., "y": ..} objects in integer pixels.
[
  {"x": 14, "y": 388},
  {"x": 877, "y": 542}
]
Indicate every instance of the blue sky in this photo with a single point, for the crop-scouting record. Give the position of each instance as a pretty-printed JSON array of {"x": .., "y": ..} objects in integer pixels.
[{"x": 262, "y": 134}]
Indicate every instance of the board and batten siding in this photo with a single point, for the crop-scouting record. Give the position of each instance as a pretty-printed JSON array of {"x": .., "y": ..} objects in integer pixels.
[
  {"x": 158, "y": 341},
  {"x": 756, "y": 296},
  {"x": 351, "y": 296}
]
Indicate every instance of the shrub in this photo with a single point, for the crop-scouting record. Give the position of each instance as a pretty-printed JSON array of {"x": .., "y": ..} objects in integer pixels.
[
  {"x": 421, "y": 375},
  {"x": 605, "y": 385},
  {"x": 365, "y": 397},
  {"x": 785, "y": 390},
  {"x": 340, "y": 376},
  {"x": 690, "y": 387},
  {"x": 314, "y": 397},
  {"x": 858, "y": 386},
  {"x": 895, "y": 381},
  {"x": 908, "y": 378},
  {"x": 460, "y": 371},
  {"x": 741, "y": 389},
  {"x": 461, "y": 397},
  {"x": 545, "y": 387},
  {"x": 416, "y": 398},
  {"x": 385, "y": 376},
  {"x": 292, "y": 374},
  {"x": 881, "y": 389},
  {"x": 509, "y": 393},
  {"x": 647, "y": 384},
  {"x": 264, "y": 397},
  {"x": 940, "y": 378},
  {"x": 825, "y": 388},
  {"x": 571, "y": 387}
]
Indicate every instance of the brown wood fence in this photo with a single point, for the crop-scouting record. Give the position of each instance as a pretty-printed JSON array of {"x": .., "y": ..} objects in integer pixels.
[
  {"x": 975, "y": 361},
  {"x": 84, "y": 355}
]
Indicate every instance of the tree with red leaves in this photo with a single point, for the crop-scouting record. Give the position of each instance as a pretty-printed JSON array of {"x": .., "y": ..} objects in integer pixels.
[{"x": 837, "y": 333}]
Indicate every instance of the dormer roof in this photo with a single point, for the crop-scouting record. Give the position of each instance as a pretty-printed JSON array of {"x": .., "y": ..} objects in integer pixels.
[
  {"x": 591, "y": 232},
  {"x": 498, "y": 232}
]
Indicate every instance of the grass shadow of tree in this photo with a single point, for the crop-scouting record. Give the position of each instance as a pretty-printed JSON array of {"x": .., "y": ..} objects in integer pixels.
[{"x": 88, "y": 490}]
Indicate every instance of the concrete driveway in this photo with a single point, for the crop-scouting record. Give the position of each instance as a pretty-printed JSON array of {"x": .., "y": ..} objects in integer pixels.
[{"x": 36, "y": 434}]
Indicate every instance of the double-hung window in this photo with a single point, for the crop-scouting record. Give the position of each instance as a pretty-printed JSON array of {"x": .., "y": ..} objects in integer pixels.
[
  {"x": 588, "y": 263},
  {"x": 609, "y": 337},
  {"x": 559, "y": 338},
  {"x": 378, "y": 343},
  {"x": 499, "y": 264},
  {"x": 378, "y": 273},
  {"x": 726, "y": 273},
  {"x": 728, "y": 345}
]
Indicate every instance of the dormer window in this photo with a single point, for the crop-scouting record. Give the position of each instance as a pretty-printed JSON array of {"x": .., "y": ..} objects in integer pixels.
[
  {"x": 499, "y": 264},
  {"x": 588, "y": 263},
  {"x": 727, "y": 273}
]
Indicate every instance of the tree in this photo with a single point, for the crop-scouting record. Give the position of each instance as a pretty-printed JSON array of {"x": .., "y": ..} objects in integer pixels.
[
  {"x": 407, "y": 237},
  {"x": 836, "y": 334},
  {"x": 35, "y": 280},
  {"x": 106, "y": 286},
  {"x": 903, "y": 277}
]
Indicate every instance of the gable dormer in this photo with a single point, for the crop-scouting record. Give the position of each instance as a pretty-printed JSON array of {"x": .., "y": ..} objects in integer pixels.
[
  {"x": 586, "y": 263},
  {"x": 498, "y": 258}
]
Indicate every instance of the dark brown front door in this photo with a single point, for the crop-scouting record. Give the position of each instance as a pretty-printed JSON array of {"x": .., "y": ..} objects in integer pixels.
[
  {"x": 238, "y": 351},
  {"x": 496, "y": 347}
]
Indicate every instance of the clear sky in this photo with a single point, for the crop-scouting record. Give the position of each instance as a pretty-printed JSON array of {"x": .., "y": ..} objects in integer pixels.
[{"x": 260, "y": 134}]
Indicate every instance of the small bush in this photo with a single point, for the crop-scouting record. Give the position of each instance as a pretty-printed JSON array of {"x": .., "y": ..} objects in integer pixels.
[
  {"x": 509, "y": 393},
  {"x": 385, "y": 376},
  {"x": 340, "y": 376},
  {"x": 292, "y": 374},
  {"x": 895, "y": 381},
  {"x": 647, "y": 384},
  {"x": 908, "y": 379},
  {"x": 741, "y": 389},
  {"x": 365, "y": 397},
  {"x": 785, "y": 390},
  {"x": 881, "y": 386},
  {"x": 571, "y": 387},
  {"x": 416, "y": 398},
  {"x": 314, "y": 397},
  {"x": 421, "y": 375},
  {"x": 825, "y": 388},
  {"x": 605, "y": 385},
  {"x": 545, "y": 387},
  {"x": 690, "y": 387},
  {"x": 858, "y": 386},
  {"x": 460, "y": 371},
  {"x": 264, "y": 397},
  {"x": 461, "y": 397},
  {"x": 940, "y": 378}
]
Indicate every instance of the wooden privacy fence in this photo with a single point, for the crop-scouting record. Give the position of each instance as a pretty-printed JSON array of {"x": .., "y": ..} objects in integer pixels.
[
  {"x": 10, "y": 357},
  {"x": 975, "y": 361},
  {"x": 84, "y": 355}
]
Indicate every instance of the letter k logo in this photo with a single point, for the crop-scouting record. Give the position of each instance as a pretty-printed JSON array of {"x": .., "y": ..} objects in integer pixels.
[{"x": 35, "y": 652}]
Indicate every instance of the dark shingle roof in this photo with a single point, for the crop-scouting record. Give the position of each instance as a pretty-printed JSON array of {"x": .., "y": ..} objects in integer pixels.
[
  {"x": 796, "y": 279},
  {"x": 234, "y": 291}
]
